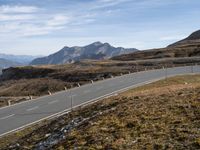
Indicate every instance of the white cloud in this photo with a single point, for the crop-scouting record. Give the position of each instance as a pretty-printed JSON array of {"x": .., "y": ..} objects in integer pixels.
[
  {"x": 5, "y": 17},
  {"x": 22, "y": 21},
  {"x": 58, "y": 20},
  {"x": 100, "y": 4},
  {"x": 18, "y": 9}
]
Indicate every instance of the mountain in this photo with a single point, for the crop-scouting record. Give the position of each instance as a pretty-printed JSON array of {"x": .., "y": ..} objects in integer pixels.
[
  {"x": 188, "y": 47},
  {"x": 22, "y": 59},
  {"x": 194, "y": 38},
  {"x": 95, "y": 51},
  {"x": 4, "y": 63}
]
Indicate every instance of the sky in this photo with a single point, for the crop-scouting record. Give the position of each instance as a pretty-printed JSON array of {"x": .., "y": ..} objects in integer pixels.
[{"x": 42, "y": 27}]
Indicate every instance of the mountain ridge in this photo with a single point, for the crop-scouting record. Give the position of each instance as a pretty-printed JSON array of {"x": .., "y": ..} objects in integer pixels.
[
  {"x": 21, "y": 59},
  {"x": 193, "y": 38},
  {"x": 96, "y": 50},
  {"x": 4, "y": 63},
  {"x": 188, "y": 47}
]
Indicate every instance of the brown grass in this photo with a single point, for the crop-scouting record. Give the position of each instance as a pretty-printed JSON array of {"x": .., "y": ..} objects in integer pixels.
[{"x": 161, "y": 115}]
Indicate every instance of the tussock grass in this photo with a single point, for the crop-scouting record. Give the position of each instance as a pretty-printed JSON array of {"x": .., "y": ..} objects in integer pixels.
[{"x": 161, "y": 115}]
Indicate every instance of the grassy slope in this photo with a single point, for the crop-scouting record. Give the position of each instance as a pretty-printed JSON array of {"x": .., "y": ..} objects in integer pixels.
[
  {"x": 183, "y": 50},
  {"x": 161, "y": 115}
]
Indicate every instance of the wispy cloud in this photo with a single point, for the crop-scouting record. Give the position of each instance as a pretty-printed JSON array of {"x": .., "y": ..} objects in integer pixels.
[
  {"x": 100, "y": 4},
  {"x": 18, "y": 9},
  {"x": 29, "y": 21},
  {"x": 129, "y": 23},
  {"x": 6, "y": 17},
  {"x": 58, "y": 20}
]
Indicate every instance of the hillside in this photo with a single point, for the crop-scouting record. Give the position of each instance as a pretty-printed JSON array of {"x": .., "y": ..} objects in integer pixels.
[
  {"x": 161, "y": 115},
  {"x": 189, "y": 47},
  {"x": 95, "y": 51},
  {"x": 38, "y": 80},
  {"x": 193, "y": 39}
]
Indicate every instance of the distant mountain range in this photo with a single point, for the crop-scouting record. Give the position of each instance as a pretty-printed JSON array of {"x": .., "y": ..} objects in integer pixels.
[
  {"x": 188, "y": 47},
  {"x": 4, "y": 63},
  {"x": 21, "y": 59},
  {"x": 7, "y": 60},
  {"x": 95, "y": 51}
]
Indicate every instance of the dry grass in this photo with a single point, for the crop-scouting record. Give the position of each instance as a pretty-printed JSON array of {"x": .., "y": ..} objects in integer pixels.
[
  {"x": 38, "y": 80},
  {"x": 179, "y": 51},
  {"x": 161, "y": 115}
]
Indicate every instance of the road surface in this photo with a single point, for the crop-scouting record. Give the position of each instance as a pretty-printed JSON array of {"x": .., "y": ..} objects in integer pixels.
[{"x": 20, "y": 115}]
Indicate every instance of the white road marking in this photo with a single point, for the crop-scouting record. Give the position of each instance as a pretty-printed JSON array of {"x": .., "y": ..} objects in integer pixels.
[
  {"x": 33, "y": 108},
  {"x": 7, "y": 116},
  {"x": 52, "y": 102},
  {"x": 84, "y": 104}
]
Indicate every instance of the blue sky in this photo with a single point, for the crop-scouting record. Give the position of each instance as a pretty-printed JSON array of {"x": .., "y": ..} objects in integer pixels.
[{"x": 41, "y": 27}]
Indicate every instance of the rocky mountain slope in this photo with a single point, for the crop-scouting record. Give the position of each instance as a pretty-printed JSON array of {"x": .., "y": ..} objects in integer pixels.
[
  {"x": 95, "y": 51},
  {"x": 189, "y": 47}
]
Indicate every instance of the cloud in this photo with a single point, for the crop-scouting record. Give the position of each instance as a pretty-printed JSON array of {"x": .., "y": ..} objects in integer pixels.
[
  {"x": 32, "y": 30},
  {"x": 5, "y": 17},
  {"x": 101, "y": 4},
  {"x": 58, "y": 20},
  {"x": 18, "y": 9},
  {"x": 22, "y": 21}
]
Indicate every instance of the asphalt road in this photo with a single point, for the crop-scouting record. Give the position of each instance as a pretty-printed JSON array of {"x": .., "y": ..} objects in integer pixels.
[{"x": 25, "y": 113}]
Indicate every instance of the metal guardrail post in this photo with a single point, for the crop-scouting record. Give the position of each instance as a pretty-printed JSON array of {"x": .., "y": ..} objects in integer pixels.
[
  {"x": 30, "y": 97},
  {"x": 79, "y": 85},
  {"x": 65, "y": 88},
  {"x": 49, "y": 92},
  {"x": 8, "y": 102}
]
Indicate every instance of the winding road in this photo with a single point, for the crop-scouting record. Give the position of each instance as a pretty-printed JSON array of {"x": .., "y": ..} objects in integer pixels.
[{"x": 18, "y": 116}]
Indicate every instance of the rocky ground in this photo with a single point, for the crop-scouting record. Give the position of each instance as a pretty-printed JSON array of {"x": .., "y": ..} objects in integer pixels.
[{"x": 161, "y": 115}]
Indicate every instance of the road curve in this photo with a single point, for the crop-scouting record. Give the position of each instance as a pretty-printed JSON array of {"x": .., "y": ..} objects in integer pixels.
[{"x": 20, "y": 115}]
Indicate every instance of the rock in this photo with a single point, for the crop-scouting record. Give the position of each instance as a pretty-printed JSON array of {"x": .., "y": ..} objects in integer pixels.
[{"x": 136, "y": 97}]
